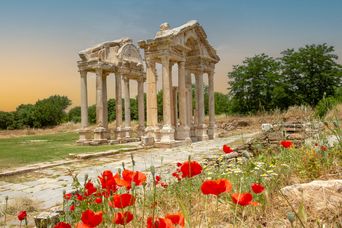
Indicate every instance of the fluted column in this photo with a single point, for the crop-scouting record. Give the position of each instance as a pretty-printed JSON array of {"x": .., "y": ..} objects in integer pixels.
[
  {"x": 201, "y": 127},
  {"x": 152, "y": 111},
  {"x": 141, "y": 111},
  {"x": 211, "y": 128},
  {"x": 100, "y": 132},
  {"x": 105, "y": 102},
  {"x": 118, "y": 105},
  {"x": 84, "y": 100},
  {"x": 172, "y": 102},
  {"x": 127, "y": 107},
  {"x": 183, "y": 132},
  {"x": 167, "y": 132}
]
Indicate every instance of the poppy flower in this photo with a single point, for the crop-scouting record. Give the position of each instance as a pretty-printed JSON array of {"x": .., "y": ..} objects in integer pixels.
[
  {"x": 22, "y": 215},
  {"x": 257, "y": 188},
  {"x": 98, "y": 200},
  {"x": 72, "y": 207},
  {"x": 216, "y": 187},
  {"x": 227, "y": 149},
  {"x": 159, "y": 223},
  {"x": 67, "y": 196},
  {"x": 242, "y": 199},
  {"x": 177, "y": 219},
  {"x": 62, "y": 225},
  {"x": 128, "y": 177},
  {"x": 190, "y": 169},
  {"x": 158, "y": 178},
  {"x": 79, "y": 197},
  {"x": 107, "y": 181},
  {"x": 254, "y": 204},
  {"x": 164, "y": 185},
  {"x": 90, "y": 188},
  {"x": 122, "y": 200},
  {"x": 324, "y": 148},
  {"x": 123, "y": 218},
  {"x": 176, "y": 175},
  {"x": 286, "y": 144},
  {"x": 90, "y": 218}
]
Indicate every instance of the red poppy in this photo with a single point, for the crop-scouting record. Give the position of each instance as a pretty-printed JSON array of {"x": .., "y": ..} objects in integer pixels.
[
  {"x": 179, "y": 164},
  {"x": 67, "y": 196},
  {"x": 257, "y": 188},
  {"x": 22, "y": 215},
  {"x": 242, "y": 199},
  {"x": 62, "y": 225},
  {"x": 72, "y": 207},
  {"x": 122, "y": 200},
  {"x": 91, "y": 218},
  {"x": 158, "y": 178},
  {"x": 254, "y": 204},
  {"x": 123, "y": 218},
  {"x": 227, "y": 149},
  {"x": 176, "y": 175},
  {"x": 177, "y": 219},
  {"x": 128, "y": 177},
  {"x": 164, "y": 185},
  {"x": 107, "y": 181},
  {"x": 90, "y": 188},
  {"x": 324, "y": 148},
  {"x": 98, "y": 200},
  {"x": 79, "y": 197},
  {"x": 286, "y": 143},
  {"x": 159, "y": 223},
  {"x": 216, "y": 187},
  {"x": 190, "y": 170}
]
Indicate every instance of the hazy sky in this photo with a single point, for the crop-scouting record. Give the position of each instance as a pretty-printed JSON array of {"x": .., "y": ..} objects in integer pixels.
[{"x": 40, "y": 40}]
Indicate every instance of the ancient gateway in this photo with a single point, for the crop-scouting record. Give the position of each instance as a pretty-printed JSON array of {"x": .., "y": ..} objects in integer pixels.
[{"x": 188, "y": 47}]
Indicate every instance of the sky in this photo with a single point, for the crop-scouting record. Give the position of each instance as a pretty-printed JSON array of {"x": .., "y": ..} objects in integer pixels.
[{"x": 40, "y": 39}]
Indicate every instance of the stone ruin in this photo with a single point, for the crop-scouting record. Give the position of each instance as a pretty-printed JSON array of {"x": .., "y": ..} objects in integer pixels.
[{"x": 188, "y": 47}]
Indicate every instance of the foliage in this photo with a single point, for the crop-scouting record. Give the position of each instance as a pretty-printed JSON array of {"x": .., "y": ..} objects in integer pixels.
[
  {"x": 74, "y": 114},
  {"x": 6, "y": 120},
  {"x": 324, "y": 106},
  {"x": 303, "y": 76}
]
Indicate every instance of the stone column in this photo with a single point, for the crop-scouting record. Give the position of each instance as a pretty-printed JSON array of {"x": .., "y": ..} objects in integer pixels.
[
  {"x": 174, "y": 107},
  {"x": 127, "y": 107},
  {"x": 141, "y": 111},
  {"x": 189, "y": 104},
  {"x": 201, "y": 127},
  {"x": 167, "y": 132},
  {"x": 105, "y": 102},
  {"x": 172, "y": 103},
  {"x": 118, "y": 106},
  {"x": 151, "y": 101},
  {"x": 183, "y": 132},
  {"x": 212, "y": 127},
  {"x": 84, "y": 132},
  {"x": 100, "y": 130}
]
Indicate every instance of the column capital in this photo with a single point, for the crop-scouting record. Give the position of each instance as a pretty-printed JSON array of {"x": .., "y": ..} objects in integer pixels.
[
  {"x": 83, "y": 73},
  {"x": 165, "y": 58}
]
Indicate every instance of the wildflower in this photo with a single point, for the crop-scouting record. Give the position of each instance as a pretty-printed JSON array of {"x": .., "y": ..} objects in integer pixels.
[
  {"x": 216, "y": 187},
  {"x": 107, "y": 181},
  {"x": 72, "y": 207},
  {"x": 254, "y": 204},
  {"x": 128, "y": 177},
  {"x": 123, "y": 218},
  {"x": 286, "y": 144},
  {"x": 22, "y": 215},
  {"x": 98, "y": 200},
  {"x": 163, "y": 184},
  {"x": 324, "y": 148},
  {"x": 190, "y": 169},
  {"x": 122, "y": 200},
  {"x": 159, "y": 223},
  {"x": 62, "y": 225},
  {"x": 90, "y": 219},
  {"x": 242, "y": 199},
  {"x": 227, "y": 149},
  {"x": 176, "y": 175},
  {"x": 177, "y": 219},
  {"x": 257, "y": 188},
  {"x": 89, "y": 188},
  {"x": 79, "y": 197},
  {"x": 67, "y": 196}
]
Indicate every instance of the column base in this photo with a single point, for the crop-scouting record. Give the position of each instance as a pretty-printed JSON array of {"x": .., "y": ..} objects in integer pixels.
[
  {"x": 128, "y": 131},
  {"x": 212, "y": 131},
  {"x": 85, "y": 136},
  {"x": 183, "y": 133},
  {"x": 100, "y": 135},
  {"x": 141, "y": 131},
  {"x": 201, "y": 132},
  {"x": 167, "y": 135},
  {"x": 118, "y": 133}
]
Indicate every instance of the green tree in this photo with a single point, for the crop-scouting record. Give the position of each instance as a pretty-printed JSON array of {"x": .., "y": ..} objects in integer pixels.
[
  {"x": 310, "y": 72},
  {"x": 74, "y": 114},
  {"x": 25, "y": 116},
  {"x": 253, "y": 84},
  {"x": 7, "y": 120}
]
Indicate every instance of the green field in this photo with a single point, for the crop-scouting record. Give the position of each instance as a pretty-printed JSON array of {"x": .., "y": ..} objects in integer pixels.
[{"x": 20, "y": 151}]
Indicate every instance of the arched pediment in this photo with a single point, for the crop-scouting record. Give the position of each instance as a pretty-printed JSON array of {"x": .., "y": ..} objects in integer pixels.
[{"x": 129, "y": 53}]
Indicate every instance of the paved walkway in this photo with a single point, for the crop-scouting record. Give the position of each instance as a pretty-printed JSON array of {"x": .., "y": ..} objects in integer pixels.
[{"x": 46, "y": 186}]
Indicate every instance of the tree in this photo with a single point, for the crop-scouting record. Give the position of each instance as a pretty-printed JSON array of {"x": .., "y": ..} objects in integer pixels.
[
  {"x": 74, "y": 114},
  {"x": 253, "y": 84},
  {"x": 7, "y": 120},
  {"x": 310, "y": 72}
]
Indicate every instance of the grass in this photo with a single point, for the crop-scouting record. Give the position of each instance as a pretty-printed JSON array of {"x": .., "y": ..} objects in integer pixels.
[{"x": 19, "y": 151}]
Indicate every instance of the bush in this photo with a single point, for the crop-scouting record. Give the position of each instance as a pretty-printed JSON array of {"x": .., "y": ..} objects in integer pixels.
[{"x": 324, "y": 106}]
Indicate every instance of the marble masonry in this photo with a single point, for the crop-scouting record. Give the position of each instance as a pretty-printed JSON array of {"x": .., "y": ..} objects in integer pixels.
[{"x": 182, "y": 122}]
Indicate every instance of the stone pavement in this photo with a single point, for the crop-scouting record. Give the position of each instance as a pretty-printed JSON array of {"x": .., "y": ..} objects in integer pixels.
[{"x": 46, "y": 186}]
